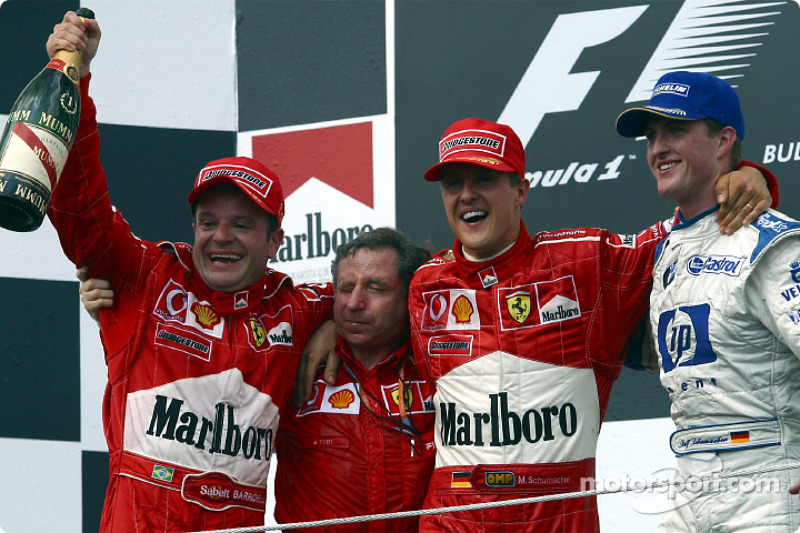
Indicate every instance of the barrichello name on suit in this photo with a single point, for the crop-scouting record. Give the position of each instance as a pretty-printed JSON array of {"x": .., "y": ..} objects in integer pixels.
[
  {"x": 194, "y": 430},
  {"x": 506, "y": 428}
]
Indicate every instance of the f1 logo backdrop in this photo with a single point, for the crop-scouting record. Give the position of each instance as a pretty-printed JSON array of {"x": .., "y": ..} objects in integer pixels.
[{"x": 561, "y": 72}]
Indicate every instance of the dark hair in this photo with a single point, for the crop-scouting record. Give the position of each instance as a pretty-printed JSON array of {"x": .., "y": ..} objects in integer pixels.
[
  {"x": 410, "y": 256},
  {"x": 714, "y": 126}
]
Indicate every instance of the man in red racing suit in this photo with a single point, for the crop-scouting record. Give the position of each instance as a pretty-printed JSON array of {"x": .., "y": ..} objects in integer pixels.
[
  {"x": 523, "y": 338},
  {"x": 342, "y": 454},
  {"x": 364, "y": 444},
  {"x": 197, "y": 378}
]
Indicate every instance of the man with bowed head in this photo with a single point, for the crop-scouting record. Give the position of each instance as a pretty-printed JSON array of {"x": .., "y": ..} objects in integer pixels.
[
  {"x": 364, "y": 444},
  {"x": 202, "y": 343},
  {"x": 725, "y": 315},
  {"x": 523, "y": 337}
]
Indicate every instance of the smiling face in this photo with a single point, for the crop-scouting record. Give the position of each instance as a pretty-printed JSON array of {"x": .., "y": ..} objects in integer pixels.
[
  {"x": 371, "y": 305},
  {"x": 232, "y": 239},
  {"x": 483, "y": 207},
  {"x": 686, "y": 161}
]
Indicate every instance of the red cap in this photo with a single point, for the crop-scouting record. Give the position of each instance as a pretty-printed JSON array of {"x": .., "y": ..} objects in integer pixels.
[
  {"x": 258, "y": 182},
  {"x": 480, "y": 142}
]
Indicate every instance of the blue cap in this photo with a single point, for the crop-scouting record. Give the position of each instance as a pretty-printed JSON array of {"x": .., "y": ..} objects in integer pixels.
[{"x": 686, "y": 95}]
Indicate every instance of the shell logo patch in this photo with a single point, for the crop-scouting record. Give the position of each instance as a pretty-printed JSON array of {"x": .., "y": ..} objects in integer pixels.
[
  {"x": 454, "y": 309},
  {"x": 342, "y": 399},
  {"x": 205, "y": 315},
  {"x": 462, "y": 310}
]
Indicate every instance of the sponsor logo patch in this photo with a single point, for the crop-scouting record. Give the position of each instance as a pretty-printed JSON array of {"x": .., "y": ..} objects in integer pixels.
[
  {"x": 267, "y": 331},
  {"x": 450, "y": 345},
  {"x": 518, "y": 304},
  {"x": 472, "y": 141},
  {"x": 205, "y": 315},
  {"x": 558, "y": 300},
  {"x": 240, "y": 300},
  {"x": 340, "y": 399},
  {"x": 669, "y": 275},
  {"x": 173, "y": 303},
  {"x": 414, "y": 400},
  {"x": 257, "y": 183},
  {"x": 488, "y": 277},
  {"x": 730, "y": 265},
  {"x": 451, "y": 309},
  {"x": 623, "y": 241},
  {"x": 500, "y": 479},
  {"x": 678, "y": 89},
  {"x": 218, "y": 491},
  {"x": 258, "y": 332},
  {"x": 184, "y": 341},
  {"x": 537, "y": 304},
  {"x": 280, "y": 334},
  {"x": 794, "y": 271},
  {"x": 682, "y": 337}
]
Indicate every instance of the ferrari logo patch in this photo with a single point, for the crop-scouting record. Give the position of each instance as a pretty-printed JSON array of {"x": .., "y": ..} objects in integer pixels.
[
  {"x": 259, "y": 334},
  {"x": 518, "y": 304}
]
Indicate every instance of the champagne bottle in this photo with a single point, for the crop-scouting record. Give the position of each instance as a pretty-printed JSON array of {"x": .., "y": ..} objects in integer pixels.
[{"x": 37, "y": 138}]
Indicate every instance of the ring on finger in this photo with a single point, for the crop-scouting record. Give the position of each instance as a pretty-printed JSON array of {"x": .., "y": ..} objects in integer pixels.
[{"x": 748, "y": 205}]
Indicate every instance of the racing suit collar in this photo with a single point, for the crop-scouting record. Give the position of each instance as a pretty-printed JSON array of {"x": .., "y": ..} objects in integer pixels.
[
  {"x": 232, "y": 303},
  {"x": 503, "y": 266},
  {"x": 683, "y": 222},
  {"x": 344, "y": 352}
]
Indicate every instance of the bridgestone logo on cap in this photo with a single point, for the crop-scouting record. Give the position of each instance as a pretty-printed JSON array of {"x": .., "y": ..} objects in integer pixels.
[
  {"x": 472, "y": 140},
  {"x": 261, "y": 184}
]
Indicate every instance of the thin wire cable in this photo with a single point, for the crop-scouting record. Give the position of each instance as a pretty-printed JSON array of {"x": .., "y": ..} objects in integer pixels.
[{"x": 506, "y": 503}]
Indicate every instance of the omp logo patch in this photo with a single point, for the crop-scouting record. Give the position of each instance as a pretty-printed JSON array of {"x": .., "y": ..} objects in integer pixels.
[
  {"x": 450, "y": 345},
  {"x": 500, "y": 479},
  {"x": 451, "y": 309}
]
